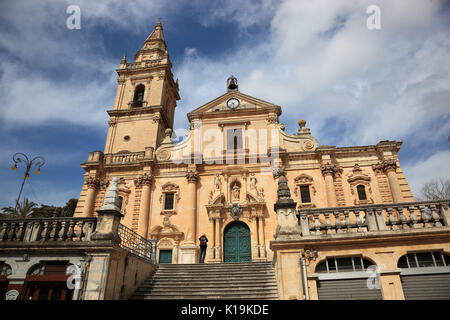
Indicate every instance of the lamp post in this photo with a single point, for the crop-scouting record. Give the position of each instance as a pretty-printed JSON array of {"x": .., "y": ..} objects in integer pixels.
[{"x": 20, "y": 157}]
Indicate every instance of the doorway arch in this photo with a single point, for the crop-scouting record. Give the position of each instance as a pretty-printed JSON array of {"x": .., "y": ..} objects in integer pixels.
[{"x": 237, "y": 243}]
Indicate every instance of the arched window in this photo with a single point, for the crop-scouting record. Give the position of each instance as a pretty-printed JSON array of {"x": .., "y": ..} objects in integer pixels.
[
  {"x": 138, "y": 98},
  {"x": 347, "y": 278},
  {"x": 424, "y": 259},
  {"x": 347, "y": 264},
  {"x": 361, "y": 192},
  {"x": 425, "y": 275},
  {"x": 5, "y": 271},
  {"x": 48, "y": 281}
]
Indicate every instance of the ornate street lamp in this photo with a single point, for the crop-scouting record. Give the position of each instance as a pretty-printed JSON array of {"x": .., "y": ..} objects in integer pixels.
[{"x": 36, "y": 161}]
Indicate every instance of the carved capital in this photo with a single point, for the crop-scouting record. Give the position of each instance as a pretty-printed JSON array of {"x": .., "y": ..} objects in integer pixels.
[
  {"x": 389, "y": 165},
  {"x": 327, "y": 169},
  {"x": 192, "y": 176},
  {"x": 92, "y": 183},
  {"x": 144, "y": 180},
  {"x": 385, "y": 166}
]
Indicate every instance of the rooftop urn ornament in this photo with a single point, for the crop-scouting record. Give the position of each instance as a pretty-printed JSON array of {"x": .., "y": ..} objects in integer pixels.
[{"x": 232, "y": 84}]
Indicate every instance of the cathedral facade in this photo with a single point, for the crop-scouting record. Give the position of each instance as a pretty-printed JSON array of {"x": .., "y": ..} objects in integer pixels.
[{"x": 221, "y": 179}]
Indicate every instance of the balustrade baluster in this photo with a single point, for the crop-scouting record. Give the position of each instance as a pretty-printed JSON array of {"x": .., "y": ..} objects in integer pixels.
[
  {"x": 12, "y": 232},
  {"x": 80, "y": 233},
  {"x": 425, "y": 217},
  {"x": 3, "y": 231},
  {"x": 347, "y": 221},
  {"x": 435, "y": 216},
  {"x": 359, "y": 222},
  {"x": 391, "y": 218},
  {"x": 413, "y": 217},
  {"x": 328, "y": 223},
  {"x": 337, "y": 217},
  {"x": 45, "y": 231},
  {"x": 62, "y": 231},
  {"x": 317, "y": 224},
  {"x": 20, "y": 231},
  {"x": 403, "y": 220}
]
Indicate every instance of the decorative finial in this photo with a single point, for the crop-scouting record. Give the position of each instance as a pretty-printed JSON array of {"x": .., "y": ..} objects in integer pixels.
[
  {"x": 302, "y": 123},
  {"x": 232, "y": 84},
  {"x": 112, "y": 200}
]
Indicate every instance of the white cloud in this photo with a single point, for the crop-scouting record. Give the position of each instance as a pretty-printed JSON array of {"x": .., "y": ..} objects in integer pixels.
[
  {"x": 321, "y": 63},
  {"x": 423, "y": 171}
]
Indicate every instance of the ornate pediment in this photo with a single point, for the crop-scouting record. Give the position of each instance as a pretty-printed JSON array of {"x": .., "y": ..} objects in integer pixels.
[{"x": 240, "y": 102}]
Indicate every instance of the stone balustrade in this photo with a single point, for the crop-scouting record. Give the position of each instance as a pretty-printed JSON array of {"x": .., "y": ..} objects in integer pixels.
[
  {"x": 67, "y": 230},
  {"x": 143, "y": 64},
  {"x": 123, "y": 158},
  {"x": 47, "y": 229},
  {"x": 379, "y": 217}
]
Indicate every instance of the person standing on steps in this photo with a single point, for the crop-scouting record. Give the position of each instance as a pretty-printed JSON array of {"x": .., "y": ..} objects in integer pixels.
[{"x": 203, "y": 244}]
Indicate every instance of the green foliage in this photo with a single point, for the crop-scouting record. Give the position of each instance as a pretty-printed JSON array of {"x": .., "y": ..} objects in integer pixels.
[{"x": 28, "y": 209}]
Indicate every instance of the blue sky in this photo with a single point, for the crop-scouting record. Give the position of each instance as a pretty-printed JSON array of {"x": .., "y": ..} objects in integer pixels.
[{"x": 317, "y": 59}]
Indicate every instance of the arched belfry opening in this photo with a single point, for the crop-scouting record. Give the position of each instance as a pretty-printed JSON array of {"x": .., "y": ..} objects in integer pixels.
[
  {"x": 138, "y": 98},
  {"x": 232, "y": 84}
]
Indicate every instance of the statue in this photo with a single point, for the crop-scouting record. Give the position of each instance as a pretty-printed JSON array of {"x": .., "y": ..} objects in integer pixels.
[
  {"x": 217, "y": 182},
  {"x": 253, "y": 182},
  {"x": 236, "y": 192}
]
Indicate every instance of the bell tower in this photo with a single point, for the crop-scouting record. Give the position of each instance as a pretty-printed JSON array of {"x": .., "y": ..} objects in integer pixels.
[{"x": 145, "y": 100}]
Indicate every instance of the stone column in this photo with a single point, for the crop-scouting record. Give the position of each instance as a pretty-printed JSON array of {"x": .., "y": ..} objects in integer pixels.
[
  {"x": 188, "y": 249},
  {"x": 328, "y": 172},
  {"x": 254, "y": 235},
  {"x": 144, "y": 181},
  {"x": 389, "y": 167},
  {"x": 217, "y": 234},
  {"x": 92, "y": 184},
  {"x": 262, "y": 244},
  {"x": 191, "y": 206}
]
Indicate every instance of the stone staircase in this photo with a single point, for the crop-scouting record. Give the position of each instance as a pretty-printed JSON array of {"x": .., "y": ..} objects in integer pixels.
[{"x": 211, "y": 281}]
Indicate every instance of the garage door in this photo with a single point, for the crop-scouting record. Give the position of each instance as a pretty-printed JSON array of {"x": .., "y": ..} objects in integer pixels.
[
  {"x": 346, "y": 289},
  {"x": 425, "y": 275},
  {"x": 345, "y": 278},
  {"x": 426, "y": 286}
]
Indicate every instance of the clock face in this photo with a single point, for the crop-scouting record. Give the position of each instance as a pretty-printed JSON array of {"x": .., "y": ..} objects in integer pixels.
[{"x": 233, "y": 103}]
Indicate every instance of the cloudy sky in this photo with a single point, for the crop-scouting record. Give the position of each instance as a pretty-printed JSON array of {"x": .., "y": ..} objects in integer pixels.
[{"x": 317, "y": 59}]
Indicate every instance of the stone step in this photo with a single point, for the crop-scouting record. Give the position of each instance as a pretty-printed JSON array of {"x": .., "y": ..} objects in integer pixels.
[
  {"x": 251, "y": 296},
  {"x": 211, "y": 281},
  {"x": 213, "y": 274},
  {"x": 167, "y": 286}
]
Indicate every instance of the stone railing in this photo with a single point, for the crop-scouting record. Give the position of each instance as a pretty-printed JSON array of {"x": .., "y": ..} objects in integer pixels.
[
  {"x": 379, "y": 217},
  {"x": 123, "y": 158},
  {"x": 136, "y": 244},
  {"x": 143, "y": 64},
  {"x": 47, "y": 229}
]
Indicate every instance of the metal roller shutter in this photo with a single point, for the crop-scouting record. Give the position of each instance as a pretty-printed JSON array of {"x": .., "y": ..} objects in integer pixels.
[
  {"x": 347, "y": 289},
  {"x": 426, "y": 286}
]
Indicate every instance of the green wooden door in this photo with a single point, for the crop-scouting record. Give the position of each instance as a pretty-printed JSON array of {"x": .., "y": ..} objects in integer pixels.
[
  {"x": 237, "y": 244},
  {"x": 165, "y": 256}
]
